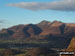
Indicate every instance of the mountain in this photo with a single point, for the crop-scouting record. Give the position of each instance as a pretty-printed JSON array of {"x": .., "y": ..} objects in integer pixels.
[
  {"x": 55, "y": 27},
  {"x": 57, "y": 33}
]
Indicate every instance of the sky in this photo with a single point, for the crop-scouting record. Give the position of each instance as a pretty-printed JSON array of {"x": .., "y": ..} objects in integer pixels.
[{"x": 14, "y": 12}]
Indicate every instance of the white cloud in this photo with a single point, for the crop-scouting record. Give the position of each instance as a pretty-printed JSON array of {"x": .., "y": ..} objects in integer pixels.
[{"x": 63, "y": 5}]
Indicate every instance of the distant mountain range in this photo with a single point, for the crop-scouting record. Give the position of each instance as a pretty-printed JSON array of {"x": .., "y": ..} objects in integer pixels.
[{"x": 59, "y": 34}]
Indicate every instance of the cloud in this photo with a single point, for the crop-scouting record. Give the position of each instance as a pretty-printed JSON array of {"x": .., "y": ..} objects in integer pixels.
[
  {"x": 1, "y": 21},
  {"x": 62, "y": 5}
]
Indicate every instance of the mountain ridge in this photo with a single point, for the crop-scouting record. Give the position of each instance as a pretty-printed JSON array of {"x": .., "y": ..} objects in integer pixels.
[{"x": 42, "y": 28}]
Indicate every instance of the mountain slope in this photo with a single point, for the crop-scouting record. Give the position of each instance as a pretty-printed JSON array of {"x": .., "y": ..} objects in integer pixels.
[{"x": 71, "y": 46}]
